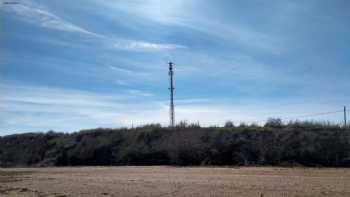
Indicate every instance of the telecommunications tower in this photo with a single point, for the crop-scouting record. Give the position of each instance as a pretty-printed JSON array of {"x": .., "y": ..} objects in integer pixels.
[{"x": 171, "y": 88}]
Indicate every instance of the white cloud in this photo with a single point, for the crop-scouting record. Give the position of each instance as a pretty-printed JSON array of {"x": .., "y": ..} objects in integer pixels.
[
  {"x": 39, "y": 16},
  {"x": 123, "y": 70},
  {"x": 129, "y": 73},
  {"x": 139, "y": 93},
  {"x": 145, "y": 46},
  {"x": 235, "y": 33},
  {"x": 121, "y": 82},
  {"x": 33, "y": 108},
  {"x": 158, "y": 10},
  {"x": 42, "y": 108},
  {"x": 189, "y": 14}
]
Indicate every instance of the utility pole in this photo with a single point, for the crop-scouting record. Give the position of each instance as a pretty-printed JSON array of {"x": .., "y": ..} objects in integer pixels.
[
  {"x": 345, "y": 124},
  {"x": 171, "y": 88}
]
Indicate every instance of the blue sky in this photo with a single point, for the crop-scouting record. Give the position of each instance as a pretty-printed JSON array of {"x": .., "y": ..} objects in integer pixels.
[{"x": 70, "y": 65}]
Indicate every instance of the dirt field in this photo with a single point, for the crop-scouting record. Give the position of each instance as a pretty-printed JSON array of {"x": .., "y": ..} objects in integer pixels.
[{"x": 171, "y": 181}]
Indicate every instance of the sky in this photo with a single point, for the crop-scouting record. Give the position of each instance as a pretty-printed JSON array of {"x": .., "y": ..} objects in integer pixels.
[{"x": 71, "y": 65}]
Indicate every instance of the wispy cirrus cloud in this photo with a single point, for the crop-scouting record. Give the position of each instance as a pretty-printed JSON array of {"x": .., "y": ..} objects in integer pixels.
[
  {"x": 139, "y": 93},
  {"x": 32, "y": 13},
  {"x": 36, "y": 108},
  {"x": 238, "y": 34},
  {"x": 40, "y": 16},
  {"x": 142, "y": 45},
  {"x": 128, "y": 72},
  {"x": 190, "y": 15},
  {"x": 42, "y": 108},
  {"x": 166, "y": 12}
]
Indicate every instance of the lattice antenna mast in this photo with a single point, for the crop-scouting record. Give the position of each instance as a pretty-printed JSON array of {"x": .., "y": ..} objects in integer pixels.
[{"x": 171, "y": 88}]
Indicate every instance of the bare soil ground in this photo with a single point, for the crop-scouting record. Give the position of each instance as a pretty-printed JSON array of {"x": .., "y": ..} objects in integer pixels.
[{"x": 173, "y": 182}]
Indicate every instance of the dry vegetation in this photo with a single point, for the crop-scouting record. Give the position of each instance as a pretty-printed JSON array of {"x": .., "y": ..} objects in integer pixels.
[
  {"x": 172, "y": 181},
  {"x": 275, "y": 144}
]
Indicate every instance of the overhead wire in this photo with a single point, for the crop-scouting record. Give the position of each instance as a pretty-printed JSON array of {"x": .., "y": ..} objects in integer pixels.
[{"x": 315, "y": 114}]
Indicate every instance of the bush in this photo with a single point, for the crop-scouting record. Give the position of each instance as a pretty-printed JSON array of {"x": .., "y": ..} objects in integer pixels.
[
  {"x": 274, "y": 123},
  {"x": 296, "y": 143}
]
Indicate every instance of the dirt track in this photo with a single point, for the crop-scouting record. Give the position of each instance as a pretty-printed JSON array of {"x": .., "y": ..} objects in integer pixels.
[{"x": 171, "y": 181}]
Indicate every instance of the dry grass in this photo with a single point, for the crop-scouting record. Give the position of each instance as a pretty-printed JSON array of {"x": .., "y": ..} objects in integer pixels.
[{"x": 171, "y": 182}]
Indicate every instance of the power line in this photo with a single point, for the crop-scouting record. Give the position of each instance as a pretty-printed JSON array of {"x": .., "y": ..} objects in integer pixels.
[{"x": 315, "y": 114}]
